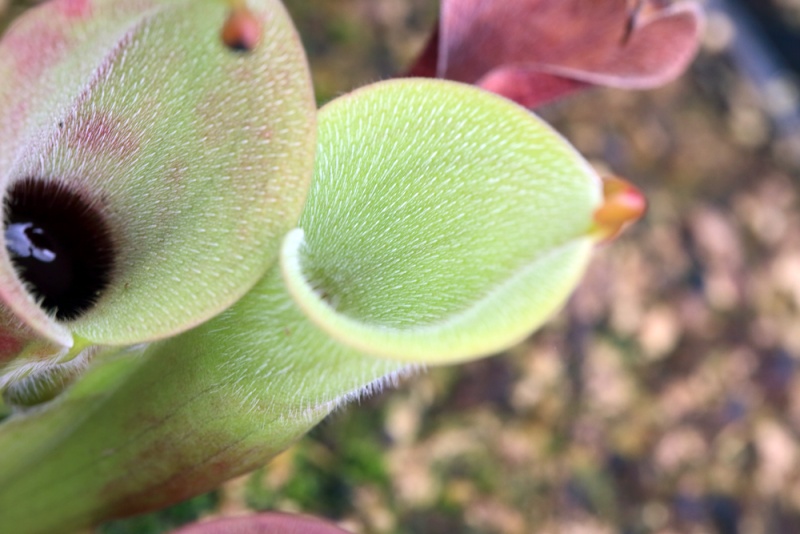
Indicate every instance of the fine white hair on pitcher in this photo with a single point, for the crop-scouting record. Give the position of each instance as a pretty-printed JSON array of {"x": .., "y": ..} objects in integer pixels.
[
  {"x": 377, "y": 386},
  {"x": 312, "y": 411}
]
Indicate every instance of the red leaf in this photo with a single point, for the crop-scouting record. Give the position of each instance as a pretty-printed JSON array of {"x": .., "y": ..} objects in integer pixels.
[
  {"x": 270, "y": 523},
  {"x": 534, "y": 51}
]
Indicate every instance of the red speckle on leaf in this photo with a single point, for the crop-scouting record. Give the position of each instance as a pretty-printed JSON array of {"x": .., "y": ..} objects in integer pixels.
[
  {"x": 10, "y": 345},
  {"x": 161, "y": 473},
  {"x": 34, "y": 52},
  {"x": 75, "y": 8},
  {"x": 16, "y": 113},
  {"x": 181, "y": 486},
  {"x": 100, "y": 133}
]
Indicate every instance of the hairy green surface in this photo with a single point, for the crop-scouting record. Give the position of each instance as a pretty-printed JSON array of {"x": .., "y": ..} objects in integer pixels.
[
  {"x": 161, "y": 423},
  {"x": 444, "y": 223},
  {"x": 190, "y": 412},
  {"x": 198, "y": 155}
]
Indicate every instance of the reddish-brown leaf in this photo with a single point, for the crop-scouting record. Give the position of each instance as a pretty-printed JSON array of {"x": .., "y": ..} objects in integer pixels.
[
  {"x": 534, "y": 51},
  {"x": 271, "y": 523}
]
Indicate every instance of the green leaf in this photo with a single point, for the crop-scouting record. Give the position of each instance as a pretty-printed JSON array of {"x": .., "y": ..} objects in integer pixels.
[
  {"x": 444, "y": 223},
  {"x": 414, "y": 180},
  {"x": 151, "y": 427},
  {"x": 198, "y": 156}
]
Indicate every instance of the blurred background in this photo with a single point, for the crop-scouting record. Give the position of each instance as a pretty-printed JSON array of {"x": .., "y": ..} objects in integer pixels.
[{"x": 665, "y": 398}]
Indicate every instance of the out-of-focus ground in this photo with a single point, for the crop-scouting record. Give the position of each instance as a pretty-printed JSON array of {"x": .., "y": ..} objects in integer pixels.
[{"x": 664, "y": 399}]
